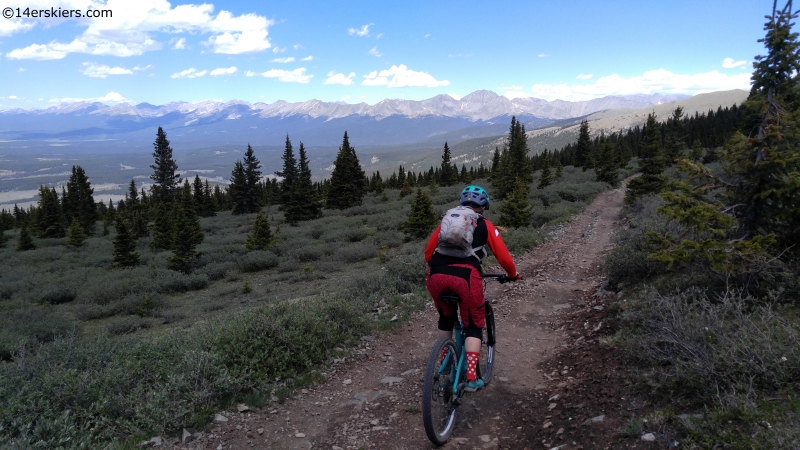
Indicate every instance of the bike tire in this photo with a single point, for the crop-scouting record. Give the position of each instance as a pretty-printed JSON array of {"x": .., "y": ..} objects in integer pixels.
[
  {"x": 488, "y": 354},
  {"x": 438, "y": 411}
]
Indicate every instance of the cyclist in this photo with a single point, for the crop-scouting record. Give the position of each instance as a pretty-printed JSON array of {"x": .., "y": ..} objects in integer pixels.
[{"x": 462, "y": 276}]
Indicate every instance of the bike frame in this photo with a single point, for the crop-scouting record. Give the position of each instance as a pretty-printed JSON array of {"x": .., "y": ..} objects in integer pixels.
[{"x": 462, "y": 355}]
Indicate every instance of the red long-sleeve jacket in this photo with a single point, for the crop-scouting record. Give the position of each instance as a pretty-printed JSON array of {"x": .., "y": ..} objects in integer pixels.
[{"x": 485, "y": 233}]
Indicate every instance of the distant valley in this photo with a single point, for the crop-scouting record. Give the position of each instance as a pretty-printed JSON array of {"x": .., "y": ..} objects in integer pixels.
[{"x": 114, "y": 142}]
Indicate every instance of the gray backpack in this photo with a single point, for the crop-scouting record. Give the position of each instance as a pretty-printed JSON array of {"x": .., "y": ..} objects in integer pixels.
[{"x": 456, "y": 232}]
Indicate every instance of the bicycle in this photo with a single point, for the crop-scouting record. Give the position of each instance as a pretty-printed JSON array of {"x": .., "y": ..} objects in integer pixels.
[{"x": 445, "y": 377}]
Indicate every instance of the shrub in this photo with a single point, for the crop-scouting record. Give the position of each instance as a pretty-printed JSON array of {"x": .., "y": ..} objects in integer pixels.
[
  {"x": 357, "y": 252},
  {"x": 127, "y": 325},
  {"x": 257, "y": 261},
  {"x": 217, "y": 270}
]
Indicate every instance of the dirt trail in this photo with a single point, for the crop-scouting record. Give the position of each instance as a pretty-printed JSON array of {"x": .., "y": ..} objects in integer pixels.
[{"x": 547, "y": 346}]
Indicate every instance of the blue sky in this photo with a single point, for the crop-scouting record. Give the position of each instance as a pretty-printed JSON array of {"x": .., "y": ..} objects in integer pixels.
[{"x": 365, "y": 51}]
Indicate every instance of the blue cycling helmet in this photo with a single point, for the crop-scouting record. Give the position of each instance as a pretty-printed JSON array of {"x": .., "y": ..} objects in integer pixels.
[{"x": 474, "y": 196}]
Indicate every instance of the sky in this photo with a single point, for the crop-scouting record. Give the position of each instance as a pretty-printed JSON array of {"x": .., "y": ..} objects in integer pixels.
[{"x": 157, "y": 51}]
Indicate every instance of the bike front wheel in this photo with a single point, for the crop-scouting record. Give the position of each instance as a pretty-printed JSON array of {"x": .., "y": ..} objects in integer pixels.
[
  {"x": 438, "y": 408},
  {"x": 487, "y": 358}
]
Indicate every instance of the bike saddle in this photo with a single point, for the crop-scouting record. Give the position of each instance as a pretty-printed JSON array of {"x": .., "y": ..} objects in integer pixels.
[{"x": 450, "y": 297}]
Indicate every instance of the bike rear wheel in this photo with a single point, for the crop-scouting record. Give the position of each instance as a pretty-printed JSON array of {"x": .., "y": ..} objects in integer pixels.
[
  {"x": 438, "y": 409},
  {"x": 487, "y": 359}
]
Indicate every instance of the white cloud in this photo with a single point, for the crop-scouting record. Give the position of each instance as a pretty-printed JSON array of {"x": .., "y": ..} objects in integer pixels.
[
  {"x": 401, "y": 76},
  {"x": 189, "y": 73},
  {"x": 132, "y": 28},
  {"x": 729, "y": 63},
  {"x": 427, "y": 36},
  {"x": 653, "y": 81},
  {"x": 585, "y": 76},
  {"x": 297, "y": 46},
  {"x": 513, "y": 87},
  {"x": 223, "y": 71},
  {"x": 542, "y": 55},
  {"x": 307, "y": 58},
  {"x": 288, "y": 59},
  {"x": 360, "y": 32},
  {"x": 339, "y": 78},
  {"x": 294, "y": 76},
  {"x": 374, "y": 52},
  {"x": 21, "y": 69},
  {"x": 9, "y": 27},
  {"x": 180, "y": 44},
  {"x": 111, "y": 97},
  {"x": 101, "y": 71},
  {"x": 380, "y": 35},
  {"x": 277, "y": 49},
  {"x": 13, "y": 97}
]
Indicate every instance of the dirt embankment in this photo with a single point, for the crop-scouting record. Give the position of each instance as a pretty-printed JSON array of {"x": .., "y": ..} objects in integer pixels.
[{"x": 555, "y": 385}]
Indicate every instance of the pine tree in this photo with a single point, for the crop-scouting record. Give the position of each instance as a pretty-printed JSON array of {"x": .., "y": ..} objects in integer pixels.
[
  {"x": 347, "y": 179},
  {"x": 3, "y": 238},
  {"x": 516, "y": 210},
  {"x": 134, "y": 212},
  {"x": 76, "y": 235},
  {"x": 422, "y": 219},
  {"x": 697, "y": 150},
  {"x": 79, "y": 202},
  {"x": 162, "y": 228},
  {"x": 583, "y": 148},
  {"x": 559, "y": 170},
  {"x": 209, "y": 208},
  {"x": 165, "y": 181},
  {"x": 289, "y": 173},
  {"x": 253, "y": 176},
  {"x": 125, "y": 254},
  {"x": 518, "y": 152},
  {"x": 405, "y": 190},
  {"x": 503, "y": 178},
  {"x": 547, "y": 176},
  {"x": 495, "y": 164},
  {"x": 674, "y": 138},
  {"x": 25, "y": 242},
  {"x": 447, "y": 172},
  {"x": 260, "y": 238},
  {"x": 608, "y": 165},
  {"x": 305, "y": 203},
  {"x": 237, "y": 189},
  {"x": 186, "y": 235},
  {"x": 50, "y": 221},
  {"x": 652, "y": 162}
]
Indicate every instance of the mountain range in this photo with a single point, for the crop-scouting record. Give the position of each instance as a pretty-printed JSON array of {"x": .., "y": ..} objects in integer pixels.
[{"x": 388, "y": 122}]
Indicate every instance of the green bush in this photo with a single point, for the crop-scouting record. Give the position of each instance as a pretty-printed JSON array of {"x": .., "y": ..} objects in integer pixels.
[
  {"x": 257, "y": 261},
  {"x": 357, "y": 252}
]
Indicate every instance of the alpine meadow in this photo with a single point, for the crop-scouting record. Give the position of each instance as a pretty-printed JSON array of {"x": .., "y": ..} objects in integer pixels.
[{"x": 145, "y": 317}]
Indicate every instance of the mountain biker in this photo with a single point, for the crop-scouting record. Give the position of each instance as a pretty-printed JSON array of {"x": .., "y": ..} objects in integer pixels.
[{"x": 462, "y": 276}]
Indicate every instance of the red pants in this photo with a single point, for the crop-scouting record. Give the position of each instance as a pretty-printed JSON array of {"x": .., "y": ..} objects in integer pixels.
[{"x": 473, "y": 313}]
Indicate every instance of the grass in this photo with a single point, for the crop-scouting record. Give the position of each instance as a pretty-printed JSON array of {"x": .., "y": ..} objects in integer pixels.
[{"x": 96, "y": 355}]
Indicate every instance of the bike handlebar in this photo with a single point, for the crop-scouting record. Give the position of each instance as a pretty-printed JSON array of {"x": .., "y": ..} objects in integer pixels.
[{"x": 501, "y": 277}]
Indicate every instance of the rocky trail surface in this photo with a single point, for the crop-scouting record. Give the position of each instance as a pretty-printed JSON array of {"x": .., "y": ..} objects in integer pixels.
[{"x": 555, "y": 384}]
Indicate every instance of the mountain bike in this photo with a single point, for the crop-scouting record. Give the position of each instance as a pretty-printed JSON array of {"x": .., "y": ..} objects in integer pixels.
[{"x": 446, "y": 372}]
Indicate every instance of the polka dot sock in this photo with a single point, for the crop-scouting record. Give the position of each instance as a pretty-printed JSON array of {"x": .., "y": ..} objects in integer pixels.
[{"x": 472, "y": 363}]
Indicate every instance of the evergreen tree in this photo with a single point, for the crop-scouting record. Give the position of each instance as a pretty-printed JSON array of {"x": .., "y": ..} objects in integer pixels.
[
  {"x": 405, "y": 190},
  {"x": 162, "y": 228},
  {"x": 583, "y": 148},
  {"x": 50, "y": 221},
  {"x": 125, "y": 254},
  {"x": 503, "y": 178},
  {"x": 134, "y": 212},
  {"x": 422, "y": 219},
  {"x": 253, "y": 176},
  {"x": 697, "y": 150},
  {"x": 547, "y": 176},
  {"x": 186, "y": 235},
  {"x": 347, "y": 179},
  {"x": 516, "y": 210},
  {"x": 674, "y": 138},
  {"x": 165, "y": 181},
  {"x": 76, "y": 235},
  {"x": 79, "y": 201},
  {"x": 289, "y": 173},
  {"x": 518, "y": 152},
  {"x": 448, "y": 178},
  {"x": 559, "y": 170},
  {"x": 209, "y": 206},
  {"x": 3, "y": 238},
  {"x": 306, "y": 199},
  {"x": 652, "y": 162},
  {"x": 237, "y": 189},
  {"x": 608, "y": 165},
  {"x": 260, "y": 238},
  {"x": 25, "y": 242},
  {"x": 495, "y": 164}
]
